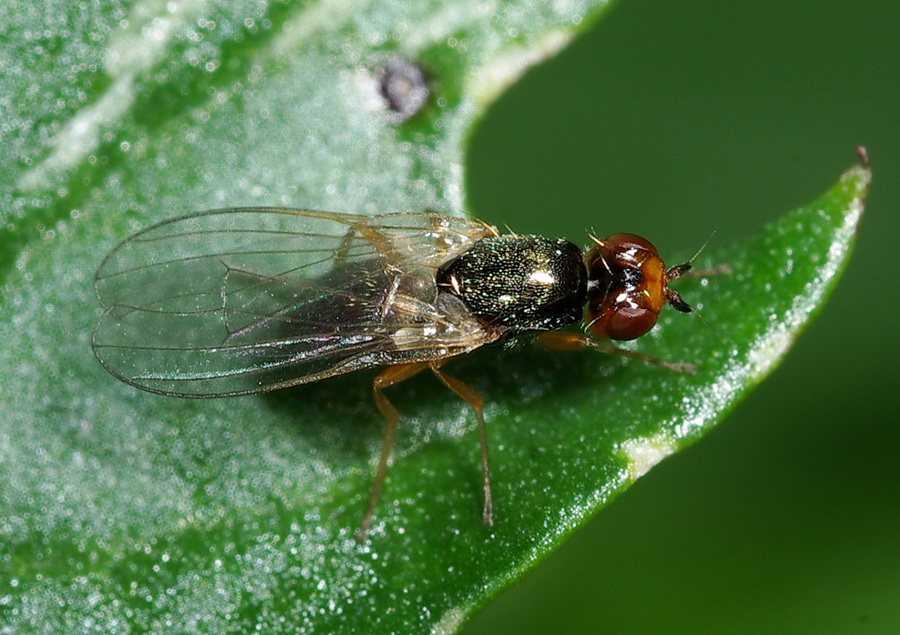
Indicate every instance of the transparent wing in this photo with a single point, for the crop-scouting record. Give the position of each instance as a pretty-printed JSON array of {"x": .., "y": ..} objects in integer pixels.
[{"x": 236, "y": 301}]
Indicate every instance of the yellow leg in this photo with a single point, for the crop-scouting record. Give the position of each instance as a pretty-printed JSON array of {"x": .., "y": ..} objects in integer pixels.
[
  {"x": 471, "y": 397},
  {"x": 568, "y": 341},
  {"x": 388, "y": 377}
]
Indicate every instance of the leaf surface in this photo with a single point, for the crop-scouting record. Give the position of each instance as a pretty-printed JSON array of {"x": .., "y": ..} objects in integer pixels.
[{"x": 128, "y": 511}]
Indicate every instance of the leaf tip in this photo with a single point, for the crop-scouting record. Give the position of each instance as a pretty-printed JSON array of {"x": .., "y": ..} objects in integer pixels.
[
  {"x": 859, "y": 177},
  {"x": 863, "y": 155}
]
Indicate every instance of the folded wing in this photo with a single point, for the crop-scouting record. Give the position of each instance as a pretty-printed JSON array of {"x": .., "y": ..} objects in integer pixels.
[{"x": 244, "y": 300}]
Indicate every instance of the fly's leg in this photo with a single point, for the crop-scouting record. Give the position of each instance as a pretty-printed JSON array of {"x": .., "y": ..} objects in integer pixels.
[
  {"x": 388, "y": 258},
  {"x": 388, "y": 377},
  {"x": 347, "y": 243},
  {"x": 377, "y": 239},
  {"x": 471, "y": 397},
  {"x": 394, "y": 375},
  {"x": 565, "y": 341}
]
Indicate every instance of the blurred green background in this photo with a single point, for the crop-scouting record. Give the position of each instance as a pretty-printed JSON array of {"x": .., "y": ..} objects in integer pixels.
[{"x": 675, "y": 120}]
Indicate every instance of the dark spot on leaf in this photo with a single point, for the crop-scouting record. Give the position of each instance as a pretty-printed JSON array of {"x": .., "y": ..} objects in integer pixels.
[{"x": 404, "y": 87}]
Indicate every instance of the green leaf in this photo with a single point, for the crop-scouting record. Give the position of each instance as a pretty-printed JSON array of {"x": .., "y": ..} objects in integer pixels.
[{"x": 128, "y": 511}]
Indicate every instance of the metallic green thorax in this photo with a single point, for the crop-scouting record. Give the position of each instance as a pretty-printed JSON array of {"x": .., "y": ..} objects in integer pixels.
[{"x": 524, "y": 283}]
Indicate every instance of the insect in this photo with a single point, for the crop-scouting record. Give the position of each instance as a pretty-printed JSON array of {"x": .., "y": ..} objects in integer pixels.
[{"x": 236, "y": 301}]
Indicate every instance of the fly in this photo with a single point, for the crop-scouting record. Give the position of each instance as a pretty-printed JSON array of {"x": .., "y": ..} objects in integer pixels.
[{"x": 245, "y": 300}]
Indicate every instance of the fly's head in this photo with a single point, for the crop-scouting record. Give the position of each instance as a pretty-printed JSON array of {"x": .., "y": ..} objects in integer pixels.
[{"x": 628, "y": 285}]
